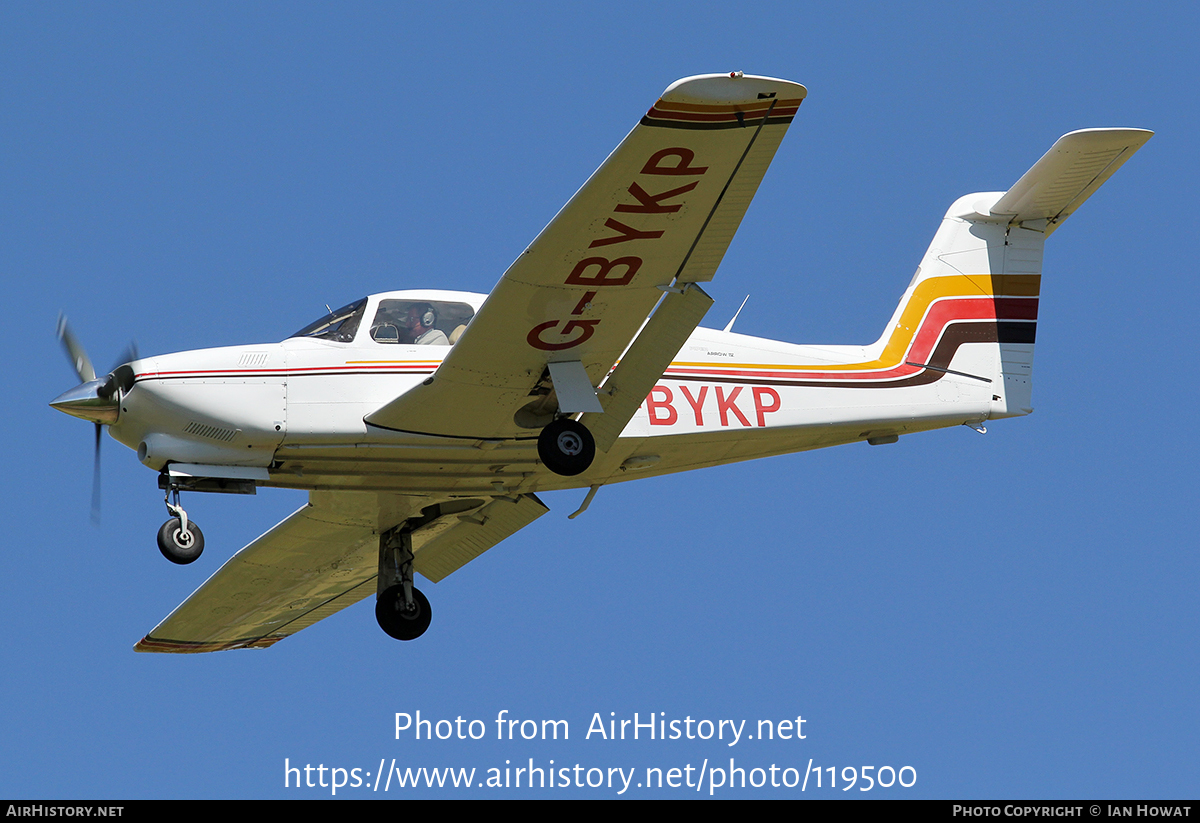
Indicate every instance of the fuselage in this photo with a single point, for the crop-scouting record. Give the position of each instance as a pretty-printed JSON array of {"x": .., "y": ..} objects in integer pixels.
[{"x": 296, "y": 408}]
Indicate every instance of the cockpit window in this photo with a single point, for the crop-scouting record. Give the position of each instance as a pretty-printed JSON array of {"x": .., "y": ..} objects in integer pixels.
[
  {"x": 420, "y": 322},
  {"x": 340, "y": 325}
]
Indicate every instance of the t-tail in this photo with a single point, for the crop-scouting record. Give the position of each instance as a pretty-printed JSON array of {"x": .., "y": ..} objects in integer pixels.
[{"x": 979, "y": 281}]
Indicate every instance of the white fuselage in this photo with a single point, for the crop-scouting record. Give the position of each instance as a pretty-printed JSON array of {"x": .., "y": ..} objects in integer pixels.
[{"x": 296, "y": 408}]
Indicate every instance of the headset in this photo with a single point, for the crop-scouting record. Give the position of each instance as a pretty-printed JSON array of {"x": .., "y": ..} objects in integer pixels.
[{"x": 428, "y": 315}]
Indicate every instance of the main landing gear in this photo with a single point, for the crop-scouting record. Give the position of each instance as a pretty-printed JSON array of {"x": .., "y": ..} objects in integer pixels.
[
  {"x": 180, "y": 540},
  {"x": 566, "y": 447},
  {"x": 401, "y": 609}
]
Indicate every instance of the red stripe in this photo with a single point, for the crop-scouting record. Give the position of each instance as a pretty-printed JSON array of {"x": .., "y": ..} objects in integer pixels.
[{"x": 345, "y": 369}]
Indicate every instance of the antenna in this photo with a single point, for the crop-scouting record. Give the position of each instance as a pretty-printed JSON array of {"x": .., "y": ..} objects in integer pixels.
[{"x": 729, "y": 327}]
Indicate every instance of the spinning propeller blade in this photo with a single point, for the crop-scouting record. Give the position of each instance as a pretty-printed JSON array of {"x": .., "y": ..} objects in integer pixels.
[
  {"x": 127, "y": 356},
  {"x": 75, "y": 351},
  {"x": 90, "y": 401},
  {"x": 96, "y": 480}
]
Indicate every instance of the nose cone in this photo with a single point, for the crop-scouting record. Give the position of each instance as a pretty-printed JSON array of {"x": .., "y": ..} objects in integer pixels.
[{"x": 85, "y": 401}]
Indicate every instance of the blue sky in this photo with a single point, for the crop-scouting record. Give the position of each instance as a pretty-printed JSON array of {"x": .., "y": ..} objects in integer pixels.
[{"x": 1012, "y": 615}]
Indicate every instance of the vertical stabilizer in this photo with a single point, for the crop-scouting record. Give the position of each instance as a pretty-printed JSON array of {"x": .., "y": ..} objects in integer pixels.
[{"x": 970, "y": 312}]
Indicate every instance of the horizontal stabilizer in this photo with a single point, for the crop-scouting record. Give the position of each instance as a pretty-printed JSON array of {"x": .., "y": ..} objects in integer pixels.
[{"x": 1076, "y": 165}]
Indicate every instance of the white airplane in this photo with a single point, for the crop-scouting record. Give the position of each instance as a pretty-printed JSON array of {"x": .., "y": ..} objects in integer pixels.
[{"x": 422, "y": 423}]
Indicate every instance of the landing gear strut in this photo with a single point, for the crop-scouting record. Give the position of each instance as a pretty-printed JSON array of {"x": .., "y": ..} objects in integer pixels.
[
  {"x": 566, "y": 447},
  {"x": 401, "y": 609},
  {"x": 180, "y": 540}
]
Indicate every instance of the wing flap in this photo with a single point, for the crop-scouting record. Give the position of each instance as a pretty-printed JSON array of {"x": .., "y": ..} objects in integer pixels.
[
  {"x": 661, "y": 209},
  {"x": 642, "y": 366},
  {"x": 474, "y": 534}
]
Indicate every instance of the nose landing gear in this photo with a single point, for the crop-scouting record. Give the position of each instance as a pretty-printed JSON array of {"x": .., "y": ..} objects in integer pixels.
[{"x": 179, "y": 539}]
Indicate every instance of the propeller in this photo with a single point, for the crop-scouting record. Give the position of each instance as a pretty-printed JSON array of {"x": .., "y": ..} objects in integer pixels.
[
  {"x": 95, "y": 400},
  {"x": 75, "y": 351}
]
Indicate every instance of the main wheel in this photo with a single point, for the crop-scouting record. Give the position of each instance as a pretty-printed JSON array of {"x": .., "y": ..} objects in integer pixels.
[
  {"x": 566, "y": 447},
  {"x": 395, "y": 621},
  {"x": 177, "y": 545}
]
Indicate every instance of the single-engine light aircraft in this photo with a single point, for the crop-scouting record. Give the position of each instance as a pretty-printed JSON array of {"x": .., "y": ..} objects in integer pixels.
[{"x": 423, "y": 423}]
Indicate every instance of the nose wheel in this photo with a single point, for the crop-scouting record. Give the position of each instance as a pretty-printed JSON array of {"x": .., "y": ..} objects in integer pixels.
[
  {"x": 180, "y": 539},
  {"x": 178, "y": 544}
]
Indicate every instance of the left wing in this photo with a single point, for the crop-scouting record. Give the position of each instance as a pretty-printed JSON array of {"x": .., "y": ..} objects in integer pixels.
[
  {"x": 657, "y": 216},
  {"x": 324, "y": 558}
]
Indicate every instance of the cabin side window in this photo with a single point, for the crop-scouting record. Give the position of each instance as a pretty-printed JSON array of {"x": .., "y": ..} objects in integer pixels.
[{"x": 420, "y": 322}]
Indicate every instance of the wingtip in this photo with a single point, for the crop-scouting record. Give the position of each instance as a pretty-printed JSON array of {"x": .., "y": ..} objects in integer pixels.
[
  {"x": 731, "y": 87},
  {"x": 1105, "y": 137}
]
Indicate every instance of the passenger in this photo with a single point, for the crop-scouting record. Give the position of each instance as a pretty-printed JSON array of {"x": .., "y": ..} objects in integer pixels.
[{"x": 420, "y": 326}]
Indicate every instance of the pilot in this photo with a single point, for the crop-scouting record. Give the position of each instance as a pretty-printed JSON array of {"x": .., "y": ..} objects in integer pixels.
[{"x": 420, "y": 326}]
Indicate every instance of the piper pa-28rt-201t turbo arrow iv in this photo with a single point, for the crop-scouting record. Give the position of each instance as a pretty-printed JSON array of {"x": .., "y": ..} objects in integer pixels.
[{"x": 422, "y": 423}]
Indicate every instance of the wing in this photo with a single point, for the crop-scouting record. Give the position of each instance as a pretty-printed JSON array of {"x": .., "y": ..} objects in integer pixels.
[
  {"x": 324, "y": 558},
  {"x": 656, "y": 217}
]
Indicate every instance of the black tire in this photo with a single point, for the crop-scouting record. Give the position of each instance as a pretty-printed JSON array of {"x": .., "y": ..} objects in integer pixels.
[
  {"x": 566, "y": 447},
  {"x": 179, "y": 548},
  {"x": 395, "y": 621}
]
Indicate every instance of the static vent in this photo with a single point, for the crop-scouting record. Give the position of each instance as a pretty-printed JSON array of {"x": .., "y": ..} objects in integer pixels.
[
  {"x": 253, "y": 358},
  {"x": 214, "y": 432}
]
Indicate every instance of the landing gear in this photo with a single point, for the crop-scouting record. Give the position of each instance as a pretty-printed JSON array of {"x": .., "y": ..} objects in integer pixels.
[
  {"x": 179, "y": 545},
  {"x": 400, "y": 608},
  {"x": 180, "y": 540},
  {"x": 398, "y": 621},
  {"x": 566, "y": 447}
]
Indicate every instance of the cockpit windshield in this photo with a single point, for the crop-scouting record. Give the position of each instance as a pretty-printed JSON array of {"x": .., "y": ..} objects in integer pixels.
[{"x": 339, "y": 326}]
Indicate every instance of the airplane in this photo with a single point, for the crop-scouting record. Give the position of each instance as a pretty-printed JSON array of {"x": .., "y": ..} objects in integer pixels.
[{"x": 423, "y": 423}]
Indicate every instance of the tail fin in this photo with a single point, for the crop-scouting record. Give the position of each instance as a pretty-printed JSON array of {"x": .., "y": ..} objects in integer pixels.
[{"x": 979, "y": 281}]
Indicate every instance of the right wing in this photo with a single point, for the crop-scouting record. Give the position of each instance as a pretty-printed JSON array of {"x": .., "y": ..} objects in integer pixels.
[
  {"x": 658, "y": 215},
  {"x": 324, "y": 558}
]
